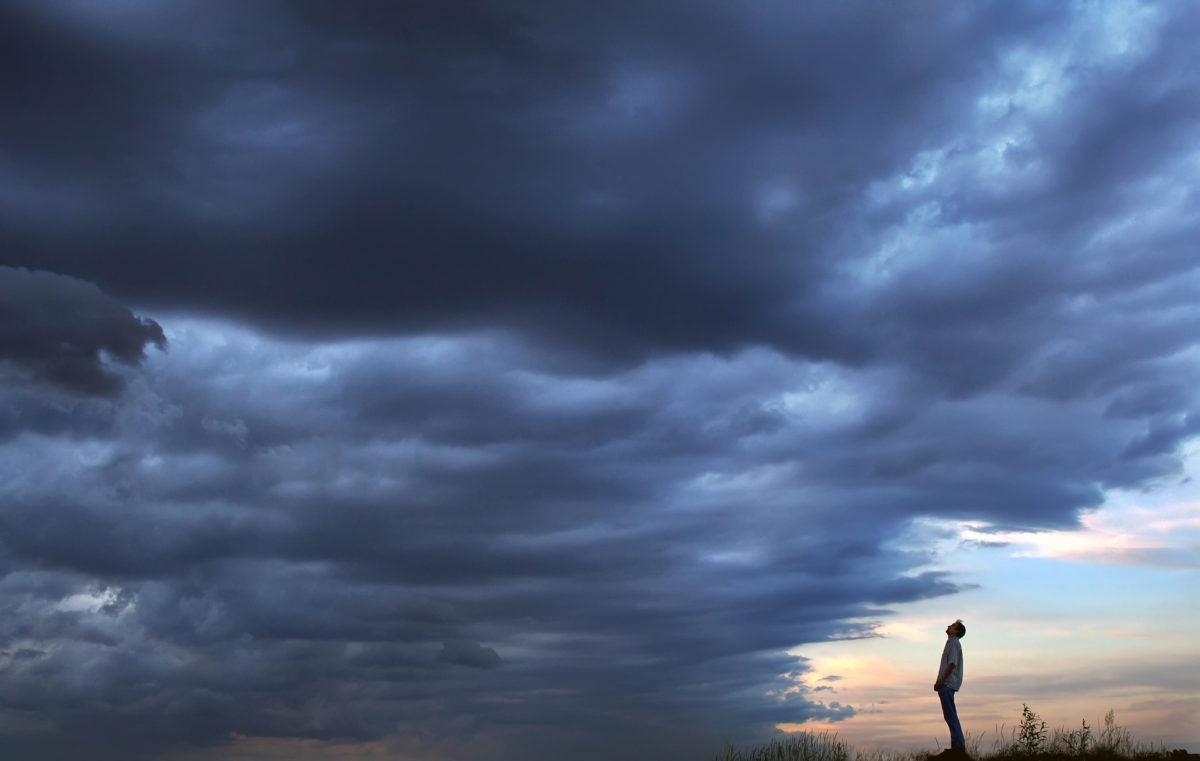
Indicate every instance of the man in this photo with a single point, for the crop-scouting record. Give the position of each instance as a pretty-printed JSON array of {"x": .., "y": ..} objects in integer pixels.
[{"x": 949, "y": 680}]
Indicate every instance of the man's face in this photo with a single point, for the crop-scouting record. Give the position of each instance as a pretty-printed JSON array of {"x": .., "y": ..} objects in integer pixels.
[{"x": 952, "y": 629}]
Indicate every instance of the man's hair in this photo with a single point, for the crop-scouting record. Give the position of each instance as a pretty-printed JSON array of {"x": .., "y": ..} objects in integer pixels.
[{"x": 962, "y": 628}]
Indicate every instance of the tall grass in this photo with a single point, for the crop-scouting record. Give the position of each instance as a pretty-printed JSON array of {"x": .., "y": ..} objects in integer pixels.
[
  {"x": 1029, "y": 740},
  {"x": 801, "y": 746}
]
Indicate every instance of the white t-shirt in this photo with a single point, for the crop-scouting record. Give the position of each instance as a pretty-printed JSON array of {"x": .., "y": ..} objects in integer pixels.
[{"x": 952, "y": 653}]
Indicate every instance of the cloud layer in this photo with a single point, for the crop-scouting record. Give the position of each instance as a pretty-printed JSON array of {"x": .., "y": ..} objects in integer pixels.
[
  {"x": 64, "y": 332},
  {"x": 538, "y": 375}
]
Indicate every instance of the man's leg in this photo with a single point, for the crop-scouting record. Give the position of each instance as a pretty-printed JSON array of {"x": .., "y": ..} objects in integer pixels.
[{"x": 950, "y": 714}]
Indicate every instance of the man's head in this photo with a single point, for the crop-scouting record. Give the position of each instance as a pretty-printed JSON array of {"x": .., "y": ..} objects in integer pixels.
[{"x": 957, "y": 629}]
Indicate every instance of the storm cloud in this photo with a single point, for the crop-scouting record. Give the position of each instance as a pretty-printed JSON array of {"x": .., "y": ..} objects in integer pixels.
[
  {"x": 62, "y": 331},
  {"x": 540, "y": 375}
]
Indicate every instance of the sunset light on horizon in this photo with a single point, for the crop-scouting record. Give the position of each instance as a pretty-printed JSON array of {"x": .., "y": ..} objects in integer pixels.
[{"x": 1072, "y": 623}]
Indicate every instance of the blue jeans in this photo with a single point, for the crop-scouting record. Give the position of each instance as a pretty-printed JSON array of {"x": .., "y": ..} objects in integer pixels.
[{"x": 950, "y": 713}]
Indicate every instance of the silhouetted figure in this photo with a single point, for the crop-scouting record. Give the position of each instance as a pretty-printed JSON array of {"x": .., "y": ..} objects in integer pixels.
[{"x": 949, "y": 680}]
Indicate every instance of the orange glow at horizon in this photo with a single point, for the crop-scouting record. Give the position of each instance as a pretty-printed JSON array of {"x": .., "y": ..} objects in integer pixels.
[{"x": 1064, "y": 621}]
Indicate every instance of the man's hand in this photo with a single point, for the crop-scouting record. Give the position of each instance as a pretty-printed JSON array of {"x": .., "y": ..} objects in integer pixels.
[{"x": 937, "y": 686}]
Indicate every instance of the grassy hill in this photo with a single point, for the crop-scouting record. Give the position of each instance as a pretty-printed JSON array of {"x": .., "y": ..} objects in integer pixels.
[{"x": 1030, "y": 740}]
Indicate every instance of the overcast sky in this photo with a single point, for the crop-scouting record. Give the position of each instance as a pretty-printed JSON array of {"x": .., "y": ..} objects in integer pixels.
[{"x": 437, "y": 380}]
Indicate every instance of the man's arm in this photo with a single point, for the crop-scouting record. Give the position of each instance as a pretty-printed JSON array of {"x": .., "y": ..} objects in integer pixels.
[{"x": 944, "y": 676}]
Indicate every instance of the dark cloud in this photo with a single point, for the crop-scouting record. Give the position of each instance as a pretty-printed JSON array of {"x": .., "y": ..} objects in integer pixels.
[
  {"x": 600, "y": 575},
  {"x": 543, "y": 373},
  {"x": 616, "y": 187},
  {"x": 469, "y": 654},
  {"x": 63, "y": 331}
]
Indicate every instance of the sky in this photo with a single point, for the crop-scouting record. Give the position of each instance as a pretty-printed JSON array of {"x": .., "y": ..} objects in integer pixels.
[{"x": 519, "y": 379}]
